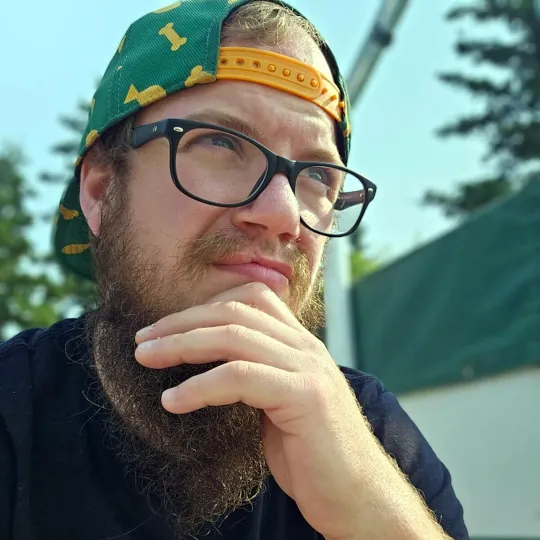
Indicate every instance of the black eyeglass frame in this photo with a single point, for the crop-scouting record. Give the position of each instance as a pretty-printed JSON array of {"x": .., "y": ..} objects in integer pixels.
[{"x": 174, "y": 129}]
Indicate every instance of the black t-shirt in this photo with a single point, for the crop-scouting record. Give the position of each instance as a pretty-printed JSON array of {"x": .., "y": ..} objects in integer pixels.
[{"x": 59, "y": 481}]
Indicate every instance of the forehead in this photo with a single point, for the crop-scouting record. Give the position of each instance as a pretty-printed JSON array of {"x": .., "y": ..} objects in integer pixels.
[{"x": 275, "y": 111}]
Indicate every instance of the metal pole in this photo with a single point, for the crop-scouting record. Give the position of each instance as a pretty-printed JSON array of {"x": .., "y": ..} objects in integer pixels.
[
  {"x": 379, "y": 39},
  {"x": 340, "y": 332}
]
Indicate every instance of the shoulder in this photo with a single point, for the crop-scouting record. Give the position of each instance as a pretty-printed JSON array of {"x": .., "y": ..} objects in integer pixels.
[
  {"x": 30, "y": 360},
  {"x": 389, "y": 421},
  {"x": 368, "y": 388},
  {"x": 402, "y": 440},
  {"x": 30, "y": 342}
]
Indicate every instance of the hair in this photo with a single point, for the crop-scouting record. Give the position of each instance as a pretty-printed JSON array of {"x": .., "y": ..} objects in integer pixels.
[
  {"x": 268, "y": 24},
  {"x": 261, "y": 22}
]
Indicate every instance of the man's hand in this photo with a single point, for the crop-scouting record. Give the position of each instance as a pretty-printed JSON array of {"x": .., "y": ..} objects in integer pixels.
[{"x": 317, "y": 443}]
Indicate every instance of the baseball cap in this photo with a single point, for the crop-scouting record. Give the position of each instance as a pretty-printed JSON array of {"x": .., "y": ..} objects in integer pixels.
[{"x": 165, "y": 52}]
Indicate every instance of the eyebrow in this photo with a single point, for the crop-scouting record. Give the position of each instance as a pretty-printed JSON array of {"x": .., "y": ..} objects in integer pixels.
[
  {"x": 323, "y": 155},
  {"x": 228, "y": 121},
  {"x": 220, "y": 118}
]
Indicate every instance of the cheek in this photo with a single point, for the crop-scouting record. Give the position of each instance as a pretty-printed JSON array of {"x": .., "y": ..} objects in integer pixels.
[
  {"x": 313, "y": 246},
  {"x": 163, "y": 216}
]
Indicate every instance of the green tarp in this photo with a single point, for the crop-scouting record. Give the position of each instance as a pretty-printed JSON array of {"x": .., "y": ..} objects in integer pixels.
[{"x": 462, "y": 307}]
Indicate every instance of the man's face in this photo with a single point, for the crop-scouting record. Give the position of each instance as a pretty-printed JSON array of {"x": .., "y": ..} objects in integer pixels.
[
  {"x": 157, "y": 254},
  {"x": 163, "y": 217}
]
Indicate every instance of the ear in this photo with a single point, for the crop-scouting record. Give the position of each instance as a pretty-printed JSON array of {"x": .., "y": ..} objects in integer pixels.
[{"x": 94, "y": 178}]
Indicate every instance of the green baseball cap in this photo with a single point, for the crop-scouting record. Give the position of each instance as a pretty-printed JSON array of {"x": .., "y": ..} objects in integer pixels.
[{"x": 162, "y": 53}]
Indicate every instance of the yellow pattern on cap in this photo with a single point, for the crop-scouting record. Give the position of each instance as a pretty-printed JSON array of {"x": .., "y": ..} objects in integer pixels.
[
  {"x": 67, "y": 213},
  {"x": 168, "y": 8},
  {"x": 121, "y": 46},
  {"x": 151, "y": 72},
  {"x": 198, "y": 76},
  {"x": 75, "y": 249},
  {"x": 173, "y": 36},
  {"x": 91, "y": 138},
  {"x": 146, "y": 97}
]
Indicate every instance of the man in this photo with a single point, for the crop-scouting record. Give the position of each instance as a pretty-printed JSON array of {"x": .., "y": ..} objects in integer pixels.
[{"x": 195, "y": 400}]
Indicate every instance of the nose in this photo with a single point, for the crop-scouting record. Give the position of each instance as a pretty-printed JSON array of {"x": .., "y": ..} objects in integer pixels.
[{"x": 275, "y": 212}]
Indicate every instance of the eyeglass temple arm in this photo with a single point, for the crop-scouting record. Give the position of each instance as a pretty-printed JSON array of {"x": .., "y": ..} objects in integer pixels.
[
  {"x": 346, "y": 200},
  {"x": 149, "y": 132}
]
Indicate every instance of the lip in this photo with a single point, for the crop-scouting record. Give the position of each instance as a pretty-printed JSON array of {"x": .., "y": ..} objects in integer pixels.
[
  {"x": 275, "y": 274},
  {"x": 281, "y": 267}
]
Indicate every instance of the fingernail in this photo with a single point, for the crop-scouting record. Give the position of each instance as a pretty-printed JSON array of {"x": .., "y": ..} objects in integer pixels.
[
  {"x": 145, "y": 331},
  {"x": 147, "y": 345},
  {"x": 168, "y": 395}
]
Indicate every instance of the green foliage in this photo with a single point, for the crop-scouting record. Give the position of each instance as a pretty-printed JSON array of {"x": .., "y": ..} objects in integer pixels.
[
  {"x": 469, "y": 197},
  {"x": 510, "y": 118},
  {"x": 28, "y": 295},
  {"x": 34, "y": 289},
  {"x": 69, "y": 149},
  {"x": 361, "y": 265},
  {"x": 80, "y": 292}
]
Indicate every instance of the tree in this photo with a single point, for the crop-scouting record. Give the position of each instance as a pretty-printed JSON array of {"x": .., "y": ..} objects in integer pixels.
[
  {"x": 79, "y": 293},
  {"x": 29, "y": 297},
  {"x": 361, "y": 264},
  {"x": 510, "y": 118},
  {"x": 75, "y": 124}
]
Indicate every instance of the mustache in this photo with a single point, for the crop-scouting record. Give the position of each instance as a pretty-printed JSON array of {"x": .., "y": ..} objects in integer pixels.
[{"x": 200, "y": 254}]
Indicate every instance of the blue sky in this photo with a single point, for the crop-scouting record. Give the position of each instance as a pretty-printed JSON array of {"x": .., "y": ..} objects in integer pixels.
[{"x": 53, "y": 52}]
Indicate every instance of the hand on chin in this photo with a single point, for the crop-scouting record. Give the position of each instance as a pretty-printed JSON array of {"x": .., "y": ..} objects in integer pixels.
[{"x": 271, "y": 362}]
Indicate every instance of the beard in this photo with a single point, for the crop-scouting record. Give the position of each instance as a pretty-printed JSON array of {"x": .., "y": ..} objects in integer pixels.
[{"x": 202, "y": 465}]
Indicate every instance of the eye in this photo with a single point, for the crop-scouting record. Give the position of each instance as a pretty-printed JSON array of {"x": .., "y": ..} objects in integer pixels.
[
  {"x": 222, "y": 141},
  {"x": 319, "y": 174},
  {"x": 209, "y": 140}
]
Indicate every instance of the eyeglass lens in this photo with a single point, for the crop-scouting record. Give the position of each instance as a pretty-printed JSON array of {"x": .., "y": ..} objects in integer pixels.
[{"x": 221, "y": 168}]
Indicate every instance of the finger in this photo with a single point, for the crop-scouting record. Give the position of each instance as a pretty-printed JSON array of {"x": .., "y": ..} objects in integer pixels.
[
  {"x": 224, "y": 343},
  {"x": 231, "y": 312},
  {"x": 256, "y": 385},
  {"x": 261, "y": 297}
]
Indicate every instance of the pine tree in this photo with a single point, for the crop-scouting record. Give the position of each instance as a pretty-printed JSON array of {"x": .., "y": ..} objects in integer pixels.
[
  {"x": 510, "y": 119},
  {"x": 29, "y": 297},
  {"x": 79, "y": 293}
]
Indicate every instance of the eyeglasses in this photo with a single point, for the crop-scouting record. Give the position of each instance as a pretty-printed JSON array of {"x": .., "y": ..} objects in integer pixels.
[{"x": 223, "y": 167}]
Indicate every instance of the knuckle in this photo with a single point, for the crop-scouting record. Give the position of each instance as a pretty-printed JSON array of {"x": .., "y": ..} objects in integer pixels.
[
  {"x": 241, "y": 370},
  {"x": 196, "y": 386},
  {"x": 233, "y": 331},
  {"x": 233, "y": 307},
  {"x": 310, "y": 343},
  {"x": 316, "y": 390}
]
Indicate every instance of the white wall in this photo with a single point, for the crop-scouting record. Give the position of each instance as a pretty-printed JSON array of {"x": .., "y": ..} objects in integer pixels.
[{"x": 488, "y": 435}]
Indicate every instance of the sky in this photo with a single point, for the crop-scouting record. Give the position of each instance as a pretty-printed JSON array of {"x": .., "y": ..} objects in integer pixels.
[{"x": 52, "y": 53}]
